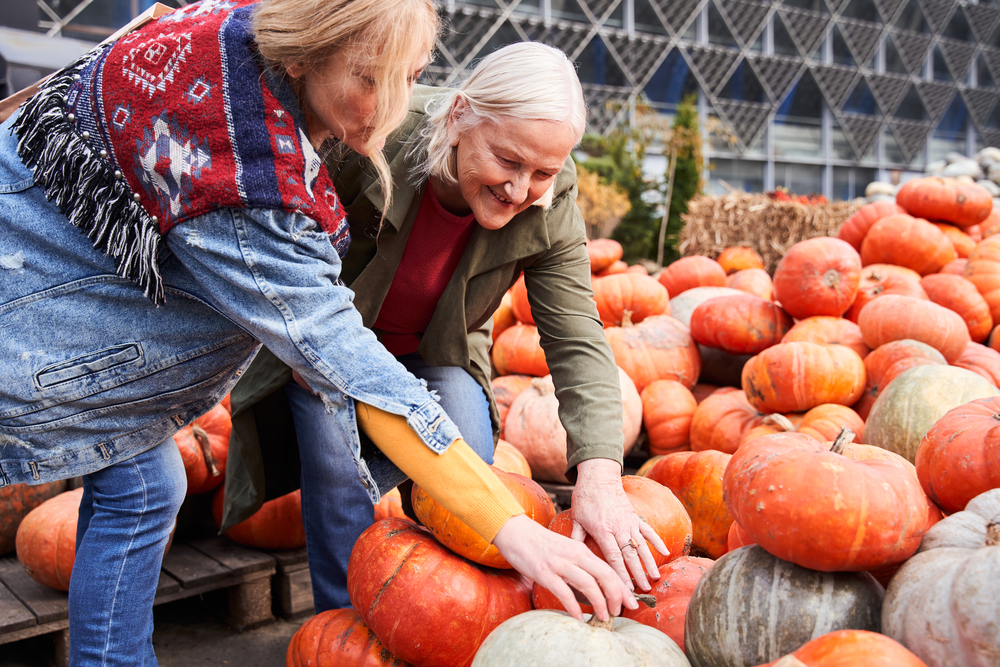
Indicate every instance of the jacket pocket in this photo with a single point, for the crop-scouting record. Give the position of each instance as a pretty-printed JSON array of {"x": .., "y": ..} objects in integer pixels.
[{"x": 81, "y": 366}]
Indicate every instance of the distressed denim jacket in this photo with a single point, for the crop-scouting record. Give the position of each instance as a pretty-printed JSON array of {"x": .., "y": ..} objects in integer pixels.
[{"x": 94, "y": 373}]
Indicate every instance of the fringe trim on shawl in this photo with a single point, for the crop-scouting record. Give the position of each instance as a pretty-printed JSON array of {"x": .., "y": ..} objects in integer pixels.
[{"x": 83, "y": 184}]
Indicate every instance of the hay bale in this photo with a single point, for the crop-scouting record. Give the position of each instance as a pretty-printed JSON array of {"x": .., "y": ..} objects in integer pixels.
[{"x": 770, "y": 227}]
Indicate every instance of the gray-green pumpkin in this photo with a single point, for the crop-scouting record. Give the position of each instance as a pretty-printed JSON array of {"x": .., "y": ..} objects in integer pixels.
[
  {"x": 918, "y": 397},
  {"x": 752, "y": 608}
]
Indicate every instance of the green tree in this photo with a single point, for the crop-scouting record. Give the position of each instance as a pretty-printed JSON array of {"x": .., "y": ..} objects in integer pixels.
[{"x": 684, "y": 147}]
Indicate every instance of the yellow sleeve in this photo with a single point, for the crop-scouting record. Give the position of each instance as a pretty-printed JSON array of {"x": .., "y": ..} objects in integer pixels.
[{"x": 458, "y": 479}]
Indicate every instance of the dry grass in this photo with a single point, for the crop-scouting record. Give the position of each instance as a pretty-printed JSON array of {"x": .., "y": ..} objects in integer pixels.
[{"x": 757, "y": 221}]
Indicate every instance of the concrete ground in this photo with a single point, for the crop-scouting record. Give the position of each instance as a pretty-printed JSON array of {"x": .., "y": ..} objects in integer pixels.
[{"x": 186, "y": 634}]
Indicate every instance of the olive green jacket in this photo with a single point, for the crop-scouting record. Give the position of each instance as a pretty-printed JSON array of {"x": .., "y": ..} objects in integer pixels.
[{"x": 547, "y": 244}]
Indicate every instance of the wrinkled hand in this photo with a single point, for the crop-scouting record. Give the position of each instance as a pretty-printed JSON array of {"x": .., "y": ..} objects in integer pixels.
[
  {"x": 557, "y": 563},
  {"x": 602, "y": 510}
]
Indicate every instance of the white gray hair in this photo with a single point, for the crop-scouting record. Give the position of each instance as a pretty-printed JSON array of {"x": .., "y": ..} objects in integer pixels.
[{"x": 525, "y": 80}]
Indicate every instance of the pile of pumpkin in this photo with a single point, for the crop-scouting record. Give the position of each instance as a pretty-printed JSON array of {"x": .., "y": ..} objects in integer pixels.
[{"x": 792, "y": 543}]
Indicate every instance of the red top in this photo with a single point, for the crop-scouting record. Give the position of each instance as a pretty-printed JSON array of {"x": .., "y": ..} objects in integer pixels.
[{"x": 436, "y": 244}]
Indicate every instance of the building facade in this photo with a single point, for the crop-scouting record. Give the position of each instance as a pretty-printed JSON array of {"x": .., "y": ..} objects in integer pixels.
[{"x": 818, "y": 96}]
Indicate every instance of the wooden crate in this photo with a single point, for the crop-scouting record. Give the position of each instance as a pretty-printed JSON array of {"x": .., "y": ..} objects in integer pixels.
[
  {"x": 241, "y": 576},
  {"x": 292, "y": 585}
]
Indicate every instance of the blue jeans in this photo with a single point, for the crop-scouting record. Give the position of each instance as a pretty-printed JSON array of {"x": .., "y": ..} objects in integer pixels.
[
  {"x": 336, "y": 509},
  {"x": 126, "y": 515}
]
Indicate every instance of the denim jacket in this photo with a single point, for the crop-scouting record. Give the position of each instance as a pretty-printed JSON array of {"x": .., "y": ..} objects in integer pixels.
[{"x": 94, "y": 373}]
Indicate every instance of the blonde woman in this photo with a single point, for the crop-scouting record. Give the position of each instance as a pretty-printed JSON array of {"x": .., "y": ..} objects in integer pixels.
[
  {"x": 187, "y": 154},
  {"x": 484, "y": 189}
]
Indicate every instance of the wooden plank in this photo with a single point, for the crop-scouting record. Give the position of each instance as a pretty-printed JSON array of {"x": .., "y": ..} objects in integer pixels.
[
  {"x": 13, "y": 614},
  {"x": 290, "y": 560},
  {"x": 167, "y": 585},
  {"x": 192, "y": 568},
  {"x": 293, "y": 595},
  {"x": 237, "y": 559},
  {"x": 45, "y": 603},
  {"x": 183, "y": 593},
  {"x": 34, "y": 631}
]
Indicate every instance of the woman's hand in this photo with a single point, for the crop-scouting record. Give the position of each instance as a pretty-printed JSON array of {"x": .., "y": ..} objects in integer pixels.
[
  {"x": 602, "y": 510},
  {"x": 558, "y": 563}
]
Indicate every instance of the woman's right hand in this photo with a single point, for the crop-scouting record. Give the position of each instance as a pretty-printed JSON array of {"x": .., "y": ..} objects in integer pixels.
[{"x": 559, "y": 563}]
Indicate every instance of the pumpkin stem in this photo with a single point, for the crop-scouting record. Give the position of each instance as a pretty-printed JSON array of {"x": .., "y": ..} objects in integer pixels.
[
  {"x": 594, "y": 622},
  {"x": 779, "y": 420},
  {"x": 845, "y": 438},
  {"x": 626, "y": 318},
  {"x": 646, "y": 599},
  {"x": 789, "y": 661},
  {"x": 206, "y": 449},
  {"x": 993, "y": 533},
  {"x": 543, "y": 385}
]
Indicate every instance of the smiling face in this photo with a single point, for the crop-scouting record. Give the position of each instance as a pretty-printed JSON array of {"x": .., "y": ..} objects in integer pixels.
[
  {"x": 503, "y": 168},
  {"x": 340, "y": 98}
]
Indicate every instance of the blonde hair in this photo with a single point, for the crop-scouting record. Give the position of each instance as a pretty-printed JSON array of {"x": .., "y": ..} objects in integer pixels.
[
  {"x": 526, "y": 80},
  {"x": 383, "y": 36}
]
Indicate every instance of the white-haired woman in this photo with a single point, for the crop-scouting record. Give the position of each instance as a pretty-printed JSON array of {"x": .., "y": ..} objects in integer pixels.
[
  {"x": 187, "y": 153},
  {"x": 484, "y": 189}
]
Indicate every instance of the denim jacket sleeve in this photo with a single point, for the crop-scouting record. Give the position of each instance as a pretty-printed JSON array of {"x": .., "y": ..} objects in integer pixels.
[{"x": 276, "y": 275}]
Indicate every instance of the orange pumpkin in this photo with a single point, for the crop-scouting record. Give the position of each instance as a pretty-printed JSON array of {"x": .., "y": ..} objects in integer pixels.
[
  {"x": 983, "y": 271},
  {"x": 907, "y": 241},
  {"x": 752, "y": 281},
  {"x": 603, "y": 253},
  {"x": 638, "y": 295},
  {"x": 955, "y": 267},
  {"x": 276, "y": 525},
  {"x": 721, "y": 420},
  {"x": 455, "y": 534},
  {"x": 204, "y": 447},
  {"x": 850, "y": 648},
  {"x": 503, "y": 317},
  {"x": 892, "y": 317},
  {"x": 703, "y": 390},
  {"x": 739, "y": 324},
  {"x": 689, "y": 272},
  {"x": 739, "y": 258},
  {"x": 505, "y": 389},
  {"x": 936, "y": 198},
  {"x": 667, "y": 410},
  {"x": 46, "y": 540},
  {"x": 16, "y": 500},
  {"x": 982, "y": 360},
  {"x": 963, "y": 242},
  {"x": 828, "y": 330},
  {"x": 338, "y": 638},
  {"x": 519, "y": 305},
  {"x": 794, "y": 377},
  {"x": 738, "y": 538},
  {"x": 818, "y": 276},
  {"x": 519, "y": 350},
  {"x": 825, "y": 422},
  {"x": 617, "y": 267},
  {"x": 658, "y": 348},
  {"x": 856, "y": 227},
  {"x": 673, "y": 591},
  {"x": 696, "y": 479},
  {"x": 390, "y": 505},
  {"x": 508, "y": 458},
  {"x": 887, "y": 283},
  {"x": 960, "y": 295}
]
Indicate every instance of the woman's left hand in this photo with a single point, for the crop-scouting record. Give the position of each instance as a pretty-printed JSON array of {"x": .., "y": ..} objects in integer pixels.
[{"x": 602, "y": 510}]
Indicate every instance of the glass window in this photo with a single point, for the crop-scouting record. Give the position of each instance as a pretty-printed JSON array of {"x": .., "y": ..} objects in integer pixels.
[
  {"x": 502, "y": 37},
  {"x": 912, "y": 18},
  {"x": 812, "y": 5},
  {"x": 841, "y": 54},
  {"x": 893, "y": 61},
  {"x": 951, "y": 132},
  {"x": 843, "y": 184},
  {"x": 757, "y": 147},
  {"x": 598, "y": 66},
  {"x": 983, "y": 77},
  {"x": 646, "y": 19},
  {"x": 862, "y": 10},
  {"x": 798, "y": 130},
  {"x": 941, "y": 71},
  {"x": 799, "y": 179},
  {"x": 783, "y": 42},
  {"x": 672, "y": 82},
  {"x": 720, "y": 138},
  {"x": 958, "y": 27},
  {"x": 746, "y": 175},
  {"x": 861, "y": 100},
  {"x": 912, "y": 107},
  {"x": 567, "y": 9},
  {"x": 994, "y": 39},
  {"x": 718, "y": 31},
  {"x": 617, "y": 17},
  {"x": 841, "y": 147},
  {"x": 528, "y": 7},
  {"x": 894, "y": 154},
  {"x": 743, "y": 85}
]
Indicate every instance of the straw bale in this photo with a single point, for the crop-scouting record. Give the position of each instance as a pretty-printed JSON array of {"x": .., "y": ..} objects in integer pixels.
[{"x": 770, "y": 227}]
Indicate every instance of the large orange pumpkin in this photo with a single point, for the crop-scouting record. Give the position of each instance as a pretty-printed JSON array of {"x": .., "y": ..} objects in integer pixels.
[
  {"x": 752, "y": 281},
  {"x": 881, "y": 283},
  {"x": 519, "y": 350},
  {"x": 960, "y": 295},
  {"x": 850, "y": 648},
  {"x": 658, "y": 348},
  {"x": 818, "y": 276},
  {"x": 614, "y": 269},
  {"x": 889, "y": 360},
  {"x": 689, "y": 272},
  {"x": 856, "y": 227},
  {"x": 963, "y": 242},
  {"x": 959, "y": 457},
  {"x": 983, "y": 271},
  {"x": 981, "y": 360},
  {"x": 276, "y": 525},
  {"x": 505, "y": 389},
  {"x": 955, "y": 267},
  {"x": 508, "y": 458},
  {"x": 603, "y": 253},
  {"x": 338, "y": 638},
  {"x": 828, "y": 330},
  {"x": 389, "y": 505},
  {"x": 893, "y": 317},
  {"x": 673, "y": 591},
  {"x": 825, "y": 422},
  {"x": 696, "y": 479},
  {"x": 503, "y": 318},
  {"x": 739, "y": 258},
  {"x": 936, "y": 198},
  {"x": 907, "y": 241},
  {"x": 204, "y": 446},
  {"x": 16, "y": 500},
  {"x": 455, "y": 534},
  {"x": 634, "y": 293},
  {"x": 667, "y": 410},
  {"x": 822, "y": 510},
  {"x": 739, "y": 324},
  {"x": 721, "y": 420},
  {"x": 794, "y": 377},
  {"x": 519, "y": 305},
  {"x": 46, "y": 540},
  {"x": 427, "y": 605}
]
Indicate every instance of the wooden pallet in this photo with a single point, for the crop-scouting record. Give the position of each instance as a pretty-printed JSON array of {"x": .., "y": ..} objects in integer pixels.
[
  {"x": 238, "y": 578},
  {"x": 292, "y": 585}
]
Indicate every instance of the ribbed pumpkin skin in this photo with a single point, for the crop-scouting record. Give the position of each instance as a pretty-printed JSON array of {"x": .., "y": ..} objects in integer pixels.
[
  {"x": 936, "y": 198},
  {"x": 982, "y": 360},
  {"x": 752, "y": 281},
  {"x": 696, "y": 479},
  {"x": 983, "y": 271},
  {"x": 658, "y": 348},
  {"x": 794, "y": 377},
  {"x": 734, "y": 613},
  {"x": 942, "y": 603},
  {"x": 503, "y": 317},
  {"x": 450, "y": 605},
  {"x": 519, "y": 305},
  {"x": 667, "y": 410},
  {"x": 721, "y": 421},
  {"x": 519, "y": 350},
  {"x": 963, "y": 242},
  {"x": 889, "y": 283},
  {"x": 956, "y": 267},
  {"x": 918, "y": 397},
  {"x": 682, "y": 307},
  {"x": 824, "y": 422},
  {"x": 823, "y": 510},
  {"x": 214, "y": 426},
  {"x": 739, "y": 258},
  {"x": 276, "y": 525},
  {"x": 959, "y": 457},
  {"x": 453, "y": 533},
  {"x": 509, "y": 458},
  {"x": 673, "y": 591},
  {"x": 639, "y": 295},
  {"x": 390, "y": 505},
  {"x": 505, "y": 389},
  {"x": 338, "y": 638},
  {"x": 603, "y": 253},
  {"x": 739, "y": 324},
  {"x": 690, "y": 272},
  {"x": 907, "y": 241},
  {"x": 889, "y": 360},
  {"x": 828, "y": 330},
  {"x": 851, "y": 648},
  {"x": 737, "y": 538},
  {"x": 16, "y": 500},
  {"x": 818, "y": 276},
  {"x": 960, "y": 295},
  {"x": 891, "y": 317},
  {"x": 856, "y": 227},
  {"x": 46, "y": 540}
]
